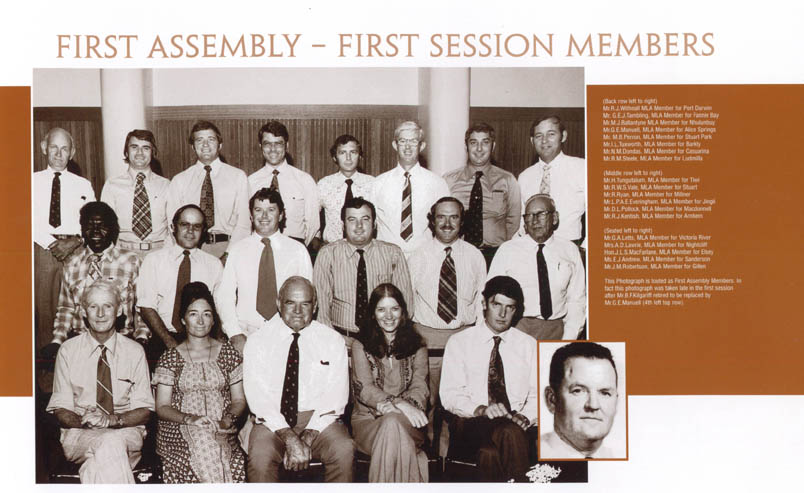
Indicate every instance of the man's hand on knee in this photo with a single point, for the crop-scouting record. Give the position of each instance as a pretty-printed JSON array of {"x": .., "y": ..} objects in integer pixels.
[{"x": 297, "y": 453}]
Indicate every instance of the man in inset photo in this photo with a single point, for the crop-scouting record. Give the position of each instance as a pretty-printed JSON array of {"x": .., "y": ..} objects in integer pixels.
[{"x": 582, "y": 396}]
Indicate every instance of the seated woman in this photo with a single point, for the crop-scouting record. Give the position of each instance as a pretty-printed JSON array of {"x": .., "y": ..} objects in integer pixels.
[
  {"x": 389, "y": 381},
  {"x": 199, "y": 398}
]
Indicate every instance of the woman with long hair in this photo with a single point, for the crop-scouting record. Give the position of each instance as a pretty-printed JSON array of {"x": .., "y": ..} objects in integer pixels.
[
  {"x": 199, "y": 398},
  {"x": 389, "y": 381}
]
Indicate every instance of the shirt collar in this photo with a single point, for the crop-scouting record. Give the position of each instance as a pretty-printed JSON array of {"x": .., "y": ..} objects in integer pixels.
[
  {"x": 274, "y": 238},
  {"x": 177, "y": 251},
  {"x": 400, "y": 171},
  {"x": 90, "y": 344},
  {"x": 279, "y": 167},
  {"x": 469, "y": 171},
  {"x": 489, "y": 335},
  {"x": 104, "y": 254},
  {"x": 133, "y": 174},
  {"x": 215, "y": 165},
  {"x": 552, "y": 163},
  {"x": 547, "y": 242},
  {"x": 352, "y": 249}
]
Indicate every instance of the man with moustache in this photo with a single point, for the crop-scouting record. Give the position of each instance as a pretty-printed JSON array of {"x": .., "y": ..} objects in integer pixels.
[
  {"x": 493, "y": 410},
  {"x": 489, "y": 194},
  {"x": 582, "y": 396},
  {"x": 348, "y": 270},
  {"x": 58, "y": 195},
  {"x": 550, "y": 271},
  {"x": 348, "y": 182},
  {"x": 139, "y": 197},
  {"x": 101, "y": 392},
  {"x": 448, "y": 276},
  {"x": 403, "y": 195},
  {"x": 246, "y": 296},
  {"x": 296, "y": 380},
  {"x": 297, "y": 188},
  {"x": 220, "y": 190},
  {"x": 99, "y": 259},
  {"x": 165, "y": 272},
  {"x": 561, "y": 177}
]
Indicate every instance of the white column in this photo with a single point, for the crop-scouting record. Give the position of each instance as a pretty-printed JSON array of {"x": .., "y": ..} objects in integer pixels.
[
  {"x": 123, "y": 110},
  {"x": 445, "y": 95}
]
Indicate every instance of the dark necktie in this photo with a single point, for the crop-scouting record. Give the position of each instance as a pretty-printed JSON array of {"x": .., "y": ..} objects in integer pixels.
[
  {"x": 266, "y": 283},
  {"x": 182, "y": 279},
  {"x": 349, "y": 195},
  {"x": 473, "y": 226},
  {"x": 141, "y": 213},
  {"x": 275, "y": 181},
  {"x": 104, "y": 383},
  {"x": 95, "y": 269},
  {"x": 497, "y": 393},
  {"x": 545, "y": 298},
  {"x": 290, "y": 389},
  {"x": 207, "y": 202},
  {"x": 448, "y": 289},
  {"x": 361, "y": 292},
  {"x": 406, "y": 228},
  {"x": 55, "y": 201}
]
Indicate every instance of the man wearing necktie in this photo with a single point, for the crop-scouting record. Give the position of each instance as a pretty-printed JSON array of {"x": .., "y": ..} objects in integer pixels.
[
  {"x": 295, "y": 376},
  {"x": 550, "y": 271},
  {"x": 489, "y": 384},
  {"x": 257, "y": 266},
  {"x": 58, "y": 197},
  {"x": 297, "y": 187},
  {"x": 164, "y": 274},
  {"x": 348, "y": 182},
  {"x": 139, "y": 197},
  {"x": 489, "y": 194},
  {"x": 101, "y": 392}
]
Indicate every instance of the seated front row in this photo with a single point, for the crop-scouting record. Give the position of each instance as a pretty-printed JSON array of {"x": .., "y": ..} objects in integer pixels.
[{"x": 295, "y": 380}]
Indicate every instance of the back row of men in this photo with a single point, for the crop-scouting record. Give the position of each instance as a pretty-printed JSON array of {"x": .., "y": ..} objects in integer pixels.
[{"x": 210, "y": 207}]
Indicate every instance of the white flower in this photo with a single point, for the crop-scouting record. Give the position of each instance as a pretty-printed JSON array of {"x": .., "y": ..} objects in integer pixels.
[{"x": 543, "y": 473}]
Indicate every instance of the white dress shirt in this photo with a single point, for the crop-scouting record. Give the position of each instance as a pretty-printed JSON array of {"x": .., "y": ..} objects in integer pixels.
[
  {"x": 425, "y": 272},
  {"x": 323, "y": 373},
  {"x": 331, "y": 195},
  {"x": 551, "y": 446},
  {"x": 567, "y": 189},
  {"x": 75, "y": 192},
  {"x": 517, "y": 258},
  {"x": 230, "y": 188},
  {"x": 386, "y": 195},
  {"x": 299, "y": 193},
  {"x": 465, "y": 371},
  {"x": 236, "y": 295},
  {"x": 156, "y": 285},
  {"x": 118, "y": 192}
]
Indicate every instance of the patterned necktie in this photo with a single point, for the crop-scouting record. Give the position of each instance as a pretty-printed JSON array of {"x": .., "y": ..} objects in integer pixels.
[
  {"x": 95, "y": 269},
  {"x": 349, "y": 195},
  {"x": 361, "y": 292},
  {"x": 406, "y": 230},
  {"x": 448, "y": 289},
  {"x": 207, "y": 202},
  {"x": 497, "y": 393},
  {"x": 290, "y": 389},
  {"x": 545, "y": 298},
  {"x": 182, "y": 279},
  {"x": 104, "y": 383},
  {"x": 545, "y": 185},
  {"x": 55, "y": 201},
  {"x": 473, "y": 226},
  {"x": 266, "y": 283},
  {"x": 141, "y": 214},
  {"x": 275, "y": 181}
]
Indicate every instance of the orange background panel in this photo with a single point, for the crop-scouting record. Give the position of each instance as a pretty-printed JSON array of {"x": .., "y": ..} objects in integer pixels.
[
  {"x": 748, "y": 341},
  {"x": 15, "y": 253}
]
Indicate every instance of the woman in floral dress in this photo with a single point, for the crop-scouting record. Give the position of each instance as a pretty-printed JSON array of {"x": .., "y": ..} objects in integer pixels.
[{"x": 199, "y": 398}]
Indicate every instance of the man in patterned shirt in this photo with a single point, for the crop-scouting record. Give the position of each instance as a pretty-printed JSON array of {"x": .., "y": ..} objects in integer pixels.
[{"x": 99, "y": 259}]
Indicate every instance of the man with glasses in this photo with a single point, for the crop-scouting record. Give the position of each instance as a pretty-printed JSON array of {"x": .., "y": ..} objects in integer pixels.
[
  {"x": 550, "y": 271},
  {"x": 297, "y": 188},
  {"x": 403, "y": 195}
]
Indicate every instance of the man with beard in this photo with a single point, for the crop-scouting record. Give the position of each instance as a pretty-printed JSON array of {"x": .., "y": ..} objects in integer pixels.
[
  {"x": 139, "y": 197},
  {"x": 448, "y": 275},
  {"x": 550, "y": 271},
  {"x": 348, "y": 270},
  {"x": 489, "y": 194},
  {"x": 99, "y": 259},
  {"x": 164, "y": 274},
  {"x": 297, "y": 187}
]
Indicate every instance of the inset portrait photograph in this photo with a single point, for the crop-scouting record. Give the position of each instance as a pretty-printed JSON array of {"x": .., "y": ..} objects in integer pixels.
[{"x": 582, "y": 408}]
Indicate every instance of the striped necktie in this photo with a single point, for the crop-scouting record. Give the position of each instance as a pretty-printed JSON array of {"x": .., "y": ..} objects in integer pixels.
[
  {"x": 407, "y": 210},
  {"x": 448, "y": 289},
  {"x": 141, "y": 214},
  {"x": 104, "y": 384}
]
